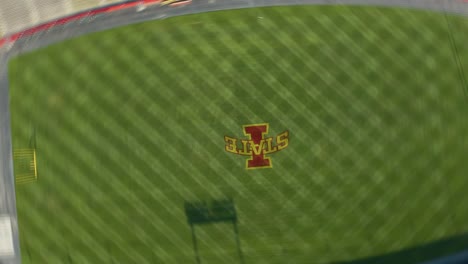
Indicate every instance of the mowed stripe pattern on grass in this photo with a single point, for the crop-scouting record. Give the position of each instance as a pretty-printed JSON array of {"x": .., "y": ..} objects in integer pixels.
[{"x": 130, "y": 124}]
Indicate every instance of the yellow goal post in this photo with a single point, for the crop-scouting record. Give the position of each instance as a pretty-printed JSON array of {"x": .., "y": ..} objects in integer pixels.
[{"x": 25, "y": 165}]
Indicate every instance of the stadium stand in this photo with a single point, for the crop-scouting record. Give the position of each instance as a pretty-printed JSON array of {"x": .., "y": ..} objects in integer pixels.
[{"x": 16, "y": 15}]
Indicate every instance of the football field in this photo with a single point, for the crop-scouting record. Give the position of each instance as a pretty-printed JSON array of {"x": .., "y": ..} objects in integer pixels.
[{"x": 130, "y": 124}]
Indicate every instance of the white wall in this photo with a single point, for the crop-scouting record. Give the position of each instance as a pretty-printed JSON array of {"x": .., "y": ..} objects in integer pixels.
[{"x": 16, "y": 15}]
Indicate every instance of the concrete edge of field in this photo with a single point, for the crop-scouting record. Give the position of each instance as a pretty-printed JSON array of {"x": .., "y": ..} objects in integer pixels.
[{"x": 134, "y": 15}]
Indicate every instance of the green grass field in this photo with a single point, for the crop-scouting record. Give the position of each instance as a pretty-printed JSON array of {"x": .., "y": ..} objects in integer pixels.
[{"x": 130, "y": 123}]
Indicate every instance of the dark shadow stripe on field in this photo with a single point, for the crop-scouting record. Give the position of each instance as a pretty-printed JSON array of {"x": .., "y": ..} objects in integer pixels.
[{"x": 426, "y": 252}]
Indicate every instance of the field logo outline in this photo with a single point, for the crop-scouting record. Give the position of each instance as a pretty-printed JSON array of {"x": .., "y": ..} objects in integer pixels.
[{"x": 257, "y": 145}]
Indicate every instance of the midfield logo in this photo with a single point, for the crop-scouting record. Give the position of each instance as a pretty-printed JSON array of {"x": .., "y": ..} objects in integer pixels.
[{"x": 257, "y": 146}]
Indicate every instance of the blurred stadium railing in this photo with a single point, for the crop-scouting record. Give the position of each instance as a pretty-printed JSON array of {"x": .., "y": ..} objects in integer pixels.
[{"x": 18, "y": 15}]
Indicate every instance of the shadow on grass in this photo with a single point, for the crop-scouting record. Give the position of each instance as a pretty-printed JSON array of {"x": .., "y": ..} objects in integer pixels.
[{"x": 423, "y": 253}]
